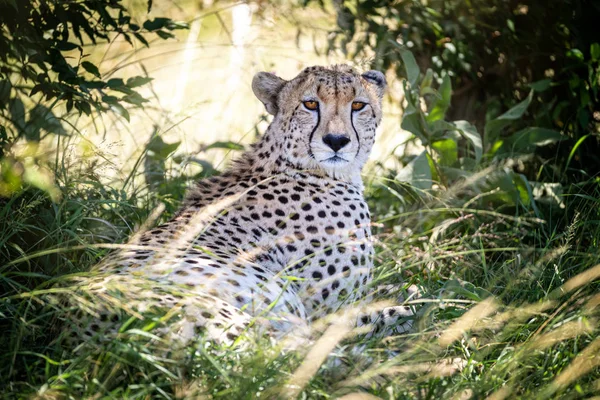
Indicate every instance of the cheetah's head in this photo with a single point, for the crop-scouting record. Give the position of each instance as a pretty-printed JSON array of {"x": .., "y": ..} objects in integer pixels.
[{"x": 325, "y": 118}]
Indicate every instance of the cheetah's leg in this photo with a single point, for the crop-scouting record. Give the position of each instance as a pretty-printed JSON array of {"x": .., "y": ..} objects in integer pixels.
[
  {"x": 391, "y": 320},
  {"x": 122, "y": 304}
]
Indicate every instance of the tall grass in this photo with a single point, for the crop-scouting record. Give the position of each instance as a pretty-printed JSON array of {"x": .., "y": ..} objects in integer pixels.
[{"x": 509, "y": 308}]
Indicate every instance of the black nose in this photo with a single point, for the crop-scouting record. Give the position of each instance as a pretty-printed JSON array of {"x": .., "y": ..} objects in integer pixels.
[{"x": 336, "y": 142}]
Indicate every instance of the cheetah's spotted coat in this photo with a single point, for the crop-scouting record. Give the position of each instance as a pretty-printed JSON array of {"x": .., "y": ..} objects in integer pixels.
[{"x": 284, "y": 234}]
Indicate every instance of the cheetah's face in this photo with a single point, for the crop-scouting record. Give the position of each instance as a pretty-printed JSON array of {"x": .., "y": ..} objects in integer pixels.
[{"x": 326, "y": 117}]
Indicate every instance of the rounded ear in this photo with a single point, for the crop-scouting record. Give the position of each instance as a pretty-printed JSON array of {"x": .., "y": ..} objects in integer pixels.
[
  {"x": 377, "y": 79},
  {"x": 266, "y": 86}
]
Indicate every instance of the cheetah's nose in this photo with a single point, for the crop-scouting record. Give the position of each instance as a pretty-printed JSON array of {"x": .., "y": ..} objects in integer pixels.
[{"x": 336, "y": 142}]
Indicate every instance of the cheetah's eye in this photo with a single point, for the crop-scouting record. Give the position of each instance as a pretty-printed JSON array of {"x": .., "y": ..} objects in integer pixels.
[
  {"x": 358, "y": 105},
  {"x": 311, "y": 105}
]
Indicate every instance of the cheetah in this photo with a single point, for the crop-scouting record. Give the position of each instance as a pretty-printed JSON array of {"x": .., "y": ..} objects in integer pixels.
[{"x": 283, "y": 236}]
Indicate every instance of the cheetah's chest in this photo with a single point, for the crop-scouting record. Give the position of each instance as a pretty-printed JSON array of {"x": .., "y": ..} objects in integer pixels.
[{"x": 314, "y": 231}]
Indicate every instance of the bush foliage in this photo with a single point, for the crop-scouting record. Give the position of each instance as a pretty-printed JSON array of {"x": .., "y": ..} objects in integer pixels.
[{"x": 45, "y": 67}]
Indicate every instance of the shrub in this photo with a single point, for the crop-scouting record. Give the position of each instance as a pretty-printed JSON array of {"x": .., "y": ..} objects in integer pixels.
[{"x": 44, "y": 66}]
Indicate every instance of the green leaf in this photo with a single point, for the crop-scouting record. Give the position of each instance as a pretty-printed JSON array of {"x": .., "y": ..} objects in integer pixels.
[
  {"x": 498, "y": 144},
  {"x": 124, "y": 89},
  {"x": 115, "y": 82},
  {"x": 413, "y": 122},
  {"x": 517, "y": 111},
  {"x": 511, "y": 25},
  {"x": 431, "y": 91},
  {"x": 447, "y": 150},
  {"x": 574, "y": 149},
  {"x": 470, "y": 133},
  {"x": 165, "y": 35},
  {"x": 575, "y": 54},
  {"x": 67, "y": 46},
  {"x": 417, "y": 172},
  {"x": 442, "y": 129},
  {"x": 94, "y": 85},
  {"x": 224, "y": 145},
  {"x": 119, "y": 109},
  {"x": 156, "y": 23},
  {"x": 91, "y": 68},
  {"x": 177, "y": 25},
  {"x": 525, "y": 192},
  {"x": 141, "y": 38},
  {"x": 161, "y": 149},
  {"x": 83, "y": 107},
  {"x": 138, "y": 81},
  {"x": 495, "y": 126},
  {"x": 427, "y": 79},
  {"x": 110, "y": 99},
  {"x": 535, "y": 136},
  {"x": 440, "y": 105},
  {"x": 595, "y": 51},
  {"x": 410, "y": 64},
  {"x": 541, "y": 85},
  {"x": 135, "y": 98}
]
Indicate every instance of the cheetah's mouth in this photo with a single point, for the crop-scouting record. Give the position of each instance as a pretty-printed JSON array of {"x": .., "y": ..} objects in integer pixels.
[{"x": 335, "y": 160}]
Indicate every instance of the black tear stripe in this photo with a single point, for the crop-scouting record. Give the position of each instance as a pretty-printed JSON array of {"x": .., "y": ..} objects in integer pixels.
[
  {"x": 310, "y": 153},
  {"x": 355, "y": 132}
]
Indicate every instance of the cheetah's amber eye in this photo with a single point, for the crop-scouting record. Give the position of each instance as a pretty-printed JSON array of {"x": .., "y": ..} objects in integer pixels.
[
  {"x": 357, "y": 105},
  {"x": 311, "y": 105}
]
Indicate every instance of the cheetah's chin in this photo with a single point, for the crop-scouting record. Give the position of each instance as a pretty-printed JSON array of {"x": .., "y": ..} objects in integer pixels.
[{"x": 338, "y": 167}]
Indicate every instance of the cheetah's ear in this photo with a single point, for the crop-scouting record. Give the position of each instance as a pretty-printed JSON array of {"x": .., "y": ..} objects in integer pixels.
[
  {"x": 266, "y": 86},
  {"x": 377, "y": 79}
]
